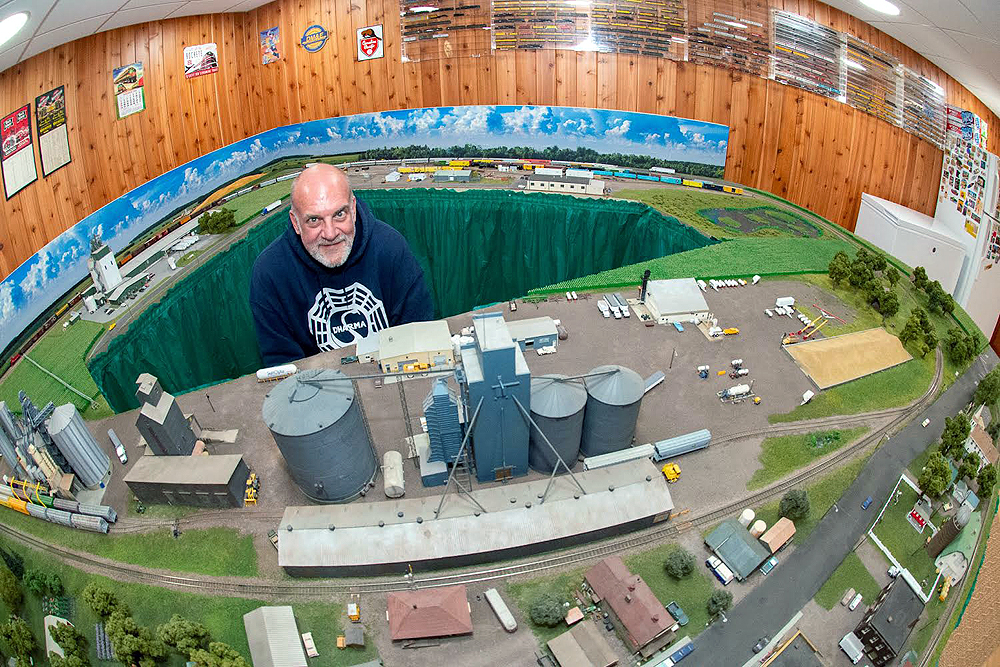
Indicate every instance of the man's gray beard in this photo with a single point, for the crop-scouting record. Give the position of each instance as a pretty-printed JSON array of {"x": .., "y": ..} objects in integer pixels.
[{"x": 316, "y": 252}]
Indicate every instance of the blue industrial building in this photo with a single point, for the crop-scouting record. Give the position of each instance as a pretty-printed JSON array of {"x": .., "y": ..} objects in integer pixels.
[
  {"x": 497, "y": 374},
  {"x": 443, "y": 425}
]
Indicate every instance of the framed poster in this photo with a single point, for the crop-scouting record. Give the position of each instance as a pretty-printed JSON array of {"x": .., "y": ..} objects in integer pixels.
[
  {"x": 370, "y": 42},
  {"x": 200, "y": 60},
  {"x": 269, "y": 46},
  {"x": 129, "y": 95},
  {"x": 18, "y": 157},
  {"x": 53, "y": 135}
]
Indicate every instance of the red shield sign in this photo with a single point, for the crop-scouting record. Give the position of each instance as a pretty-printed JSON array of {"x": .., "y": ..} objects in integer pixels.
[{"x": 369, "y": 45}]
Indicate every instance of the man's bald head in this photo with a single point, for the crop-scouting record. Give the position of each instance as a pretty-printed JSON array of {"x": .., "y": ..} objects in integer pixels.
[{"x": 323, "y": 213}]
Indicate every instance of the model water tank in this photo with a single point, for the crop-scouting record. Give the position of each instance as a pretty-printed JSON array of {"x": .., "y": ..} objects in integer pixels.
[
  {"x": 392, "y": 474},
  {"x": 89, "y": 462},
  {"x": 746, "y": 517},
  {"x": 614, "y": 394},
  {"x": 758, "y": 528},
  {"x": 315, "y": 419},
  {"x": 557, "y": 407}
]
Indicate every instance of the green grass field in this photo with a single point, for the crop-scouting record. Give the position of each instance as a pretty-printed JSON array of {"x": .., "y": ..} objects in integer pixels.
[
  {"x": 252, "y": 203},
  {"x": 783, "y": 455},
  {"x": 563, "y": 585},
  {"x": 189, "y": 257},
  {"x": 685, "y": 204},
  {"x": 902, "y": 539},
  {"x": 727, "y": 259},
  {"x": 691, "y": 592},
  {"x": 851, "y": 573},
  {"x": 822, "y": 495},
  {"x": 60, "y": 351},
  {"x": 222, "y": 616},
  {"x": 214, "y": 551}
]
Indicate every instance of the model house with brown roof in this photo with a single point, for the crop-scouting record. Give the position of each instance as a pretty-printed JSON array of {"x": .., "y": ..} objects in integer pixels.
[
  {"x": 433, "y": 612},
  {"x": 980, "y": 442},
  {"x": 646, "y": 625}
]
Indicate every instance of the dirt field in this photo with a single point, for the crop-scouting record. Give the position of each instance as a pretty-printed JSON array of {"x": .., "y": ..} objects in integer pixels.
[
  {"x": 832, "y": 361},
  {"x": 978, "y": 635}
]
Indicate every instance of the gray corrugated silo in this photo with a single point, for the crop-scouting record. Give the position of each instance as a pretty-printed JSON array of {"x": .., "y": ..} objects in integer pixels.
[
  {"x": 557, "y": 408},
  {"x": 613, "y": 400},
  {"x": 316, "y": 421},
  {"x": 7, "y": 451},
  {"x": 89, "y": 462}
]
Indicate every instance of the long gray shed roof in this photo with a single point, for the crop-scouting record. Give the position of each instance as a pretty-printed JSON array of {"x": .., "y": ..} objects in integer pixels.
[
  {"x": 214, "y": 469},
  {"x": 274, "y": 638}
]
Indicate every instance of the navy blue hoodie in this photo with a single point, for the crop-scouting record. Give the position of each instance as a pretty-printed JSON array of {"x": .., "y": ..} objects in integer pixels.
[{"x": 301, "y": 308}]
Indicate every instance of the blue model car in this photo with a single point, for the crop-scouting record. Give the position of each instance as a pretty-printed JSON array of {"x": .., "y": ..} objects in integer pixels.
[
  {"x": 868, "y": 501},
  {"x": 678, "y": 613},
  {"x": 682, "y": 653}
]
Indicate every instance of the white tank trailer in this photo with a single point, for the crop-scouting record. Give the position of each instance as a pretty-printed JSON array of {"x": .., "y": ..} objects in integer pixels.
[
  {"x": 315, "y": 419},
  {"x": 557, "y": 407},
  {"x": 735, "y": 392},
  {"x": 392, "y": 474},
  {"x": 89, "y": 462},
  {"x": 614, "y": 395}
]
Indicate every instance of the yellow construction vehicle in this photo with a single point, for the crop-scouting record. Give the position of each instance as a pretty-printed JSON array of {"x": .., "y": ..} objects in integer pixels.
[
  {"x": 251, "y": 496},
  {"x": 354, "y": 611},
  {"x": 672, "y": 472},
  {"x": 756, "y": 400},
  {"x": 732, "y": 331},
  {"x": 415, "y": 367}
]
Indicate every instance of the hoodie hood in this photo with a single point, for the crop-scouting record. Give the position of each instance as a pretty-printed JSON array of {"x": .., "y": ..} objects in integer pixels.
[{"x": 363, "y": 225}]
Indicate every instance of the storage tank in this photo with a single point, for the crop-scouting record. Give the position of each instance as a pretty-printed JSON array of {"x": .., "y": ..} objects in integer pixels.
[
  {"x": 746, "y": 517},
  {"x": 392, "y": 474},
  {"x": 7, "y": 451},
  {"x": 557, "y": 407},
  {"x": 89, "y": 462},
  {"x": 613, "y": 400},
  {"x": 315, "y": 419},
  {"x": 758, "y": 528}
]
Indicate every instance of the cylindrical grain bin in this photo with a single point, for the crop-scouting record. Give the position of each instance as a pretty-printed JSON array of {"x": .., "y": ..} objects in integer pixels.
[
  {"x": 613, "y": 400},
  {"x": 758, "y": 528},
  {"x": 89, "y": 462},
  {"x": 557, "y": 407},
  {"x": 315, "y": 419},
  {"x": 746, "y": 517}
]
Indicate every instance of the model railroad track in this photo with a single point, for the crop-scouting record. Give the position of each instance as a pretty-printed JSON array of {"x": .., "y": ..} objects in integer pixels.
[{"x": 324, "y": 588}]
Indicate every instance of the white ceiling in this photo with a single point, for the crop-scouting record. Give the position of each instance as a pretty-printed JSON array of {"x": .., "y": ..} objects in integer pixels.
[
  {"x": 962, "y": 37},
  {"x": 55, "y": 22}
]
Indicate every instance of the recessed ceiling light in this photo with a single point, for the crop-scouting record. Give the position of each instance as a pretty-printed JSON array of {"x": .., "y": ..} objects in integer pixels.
[
  {"x": 10, "y": 26},
  {"x": 883, "y": 6}
]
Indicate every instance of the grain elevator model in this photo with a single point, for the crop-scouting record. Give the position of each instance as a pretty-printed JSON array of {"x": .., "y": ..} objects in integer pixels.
[
  {"x": 317, "y": 421},
  {"x": 614, "y": 394},
  {"x": 557, "y": 408},
  {"x": 498, "y": 387},
  {"x": 161, "y": 422},
  {"x": 442, "y": 410}
]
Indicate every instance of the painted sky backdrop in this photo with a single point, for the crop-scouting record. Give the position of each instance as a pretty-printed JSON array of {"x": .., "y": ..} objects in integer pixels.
[{"x": 62, "y": 263}]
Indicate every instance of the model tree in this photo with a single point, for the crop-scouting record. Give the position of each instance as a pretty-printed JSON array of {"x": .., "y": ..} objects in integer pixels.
[
  {"x": 133, "y": 644},
  {"x": 936, "y": 476},
  {"x": 183, "y": 635},
  {"x": 719, "y": 602},
  {"x": 217, "y": 222},
  {"x": 911, "y": 333},
  {"x": 546, "y": 610},
  {"x": 840, "y": 268},
  {"x": 892, "y": 275},
  {"x": 878, "y": 262},
  {"x": 939, "y": 301},
  {"x": 987, "y": 479},
  {"x": 16, "y": 634},
  {"x": 961, "y": 348},
  {"x": 679, "y": 563},
  {"x": 861, "y": 273},
  {"x": 102, "y": 601},
  {"x": 956, "y": 432},
  {"x": 14, "y": 562},
  {"x": 10, "y": 590},
  {"x": 969, "y": 467},
  {"x": 920, "y": 277},
  {"x": 888, "y": 304},
  {"x": 74, "y": 645},
  {"x": 988, "y": 390},
  {"x": 218, "y": 655},
  {"x": 794, "y": 504}
]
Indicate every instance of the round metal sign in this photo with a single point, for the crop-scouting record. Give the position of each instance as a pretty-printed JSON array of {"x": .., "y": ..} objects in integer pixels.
[{"x": 314, "y": 38}]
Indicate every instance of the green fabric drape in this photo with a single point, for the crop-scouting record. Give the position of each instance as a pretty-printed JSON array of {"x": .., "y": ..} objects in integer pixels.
[{"x": 476, "y": 247}]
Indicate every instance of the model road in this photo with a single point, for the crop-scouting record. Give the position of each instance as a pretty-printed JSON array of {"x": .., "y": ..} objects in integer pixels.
[{"x": 795, "y": 581}]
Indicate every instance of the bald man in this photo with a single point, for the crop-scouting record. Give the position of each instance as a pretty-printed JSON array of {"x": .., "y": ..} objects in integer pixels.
[{"x": 335, "y": 276}]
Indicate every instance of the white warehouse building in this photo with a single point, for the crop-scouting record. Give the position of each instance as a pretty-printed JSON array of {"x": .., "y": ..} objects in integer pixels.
[{"x": 676, "y": 300}]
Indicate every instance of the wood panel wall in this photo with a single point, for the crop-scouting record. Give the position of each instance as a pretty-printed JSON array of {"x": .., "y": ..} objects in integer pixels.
[{"x": 816, "y": 152}]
